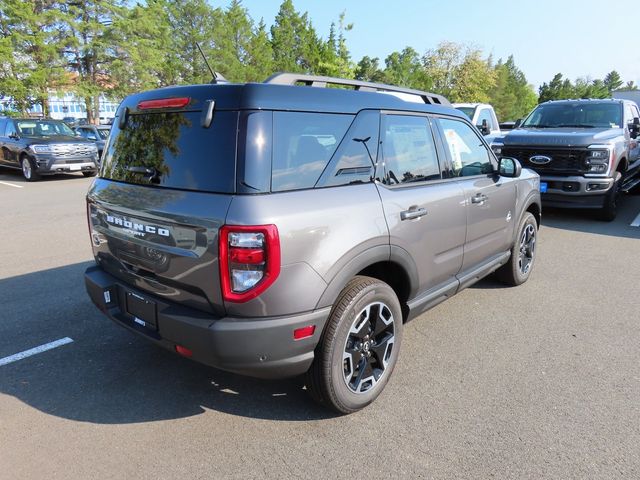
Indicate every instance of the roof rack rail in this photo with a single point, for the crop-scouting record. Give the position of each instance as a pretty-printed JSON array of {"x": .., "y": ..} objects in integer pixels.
[{"x": 322, "y": 81}]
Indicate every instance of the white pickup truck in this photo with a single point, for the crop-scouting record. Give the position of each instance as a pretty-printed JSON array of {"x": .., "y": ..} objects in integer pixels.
[{"x": 483, "y": 117}]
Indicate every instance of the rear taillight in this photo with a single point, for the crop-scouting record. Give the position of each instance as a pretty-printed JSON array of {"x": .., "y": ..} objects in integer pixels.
[{"x": 249, "y": 260}]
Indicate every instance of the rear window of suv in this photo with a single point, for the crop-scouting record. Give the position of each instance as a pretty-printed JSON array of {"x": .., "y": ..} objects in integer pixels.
[{"x": 172, "y": 150}]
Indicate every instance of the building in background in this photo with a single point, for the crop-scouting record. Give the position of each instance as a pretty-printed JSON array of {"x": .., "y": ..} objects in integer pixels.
[{"x": 64, "y": 105}]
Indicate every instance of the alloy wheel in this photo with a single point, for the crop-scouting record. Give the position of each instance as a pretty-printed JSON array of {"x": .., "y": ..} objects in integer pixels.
[
  {"x": 527, "y": 248},
  {"x": 368, "y": 347}
]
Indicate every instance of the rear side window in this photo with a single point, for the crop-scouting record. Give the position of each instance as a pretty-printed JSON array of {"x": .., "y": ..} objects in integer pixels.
[
  {"x": 303, "y": 144},
  {"x": 172, "y": 150}
]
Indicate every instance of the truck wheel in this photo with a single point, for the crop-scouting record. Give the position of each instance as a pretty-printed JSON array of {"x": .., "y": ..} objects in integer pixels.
[
  {"x": 523, "y": 253},
  {"x": 609, "y": 210},
  {"x": 29, "y": 169},
  {"x": 359, "y": 347},
  {"x": 90, "y": 174}
]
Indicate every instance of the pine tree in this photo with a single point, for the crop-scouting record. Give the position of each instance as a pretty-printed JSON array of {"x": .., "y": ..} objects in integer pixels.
[
  {"x": 612, "y": 81},
  {"x": 31, "y": 62}
]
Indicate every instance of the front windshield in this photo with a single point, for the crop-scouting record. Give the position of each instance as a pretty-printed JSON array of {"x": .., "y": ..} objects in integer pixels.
[
  {"x": 576, "y": 115},
  {"x": 468, "y": 111},
  {"x": 43, "y": 128}
]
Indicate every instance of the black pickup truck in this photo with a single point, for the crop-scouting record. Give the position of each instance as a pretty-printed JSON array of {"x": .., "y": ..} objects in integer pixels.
[{"x": 585, "y": 151}]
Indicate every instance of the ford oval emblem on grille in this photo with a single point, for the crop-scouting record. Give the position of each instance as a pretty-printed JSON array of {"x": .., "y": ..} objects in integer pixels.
[{"x": 540, "y": 159}]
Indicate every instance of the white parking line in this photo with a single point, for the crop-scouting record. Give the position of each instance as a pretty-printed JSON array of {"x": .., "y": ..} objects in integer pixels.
[
  {"x": 11, "y": 185},
  {"x": 35, "y": 351},
  {"x": 636, "y": 222}
]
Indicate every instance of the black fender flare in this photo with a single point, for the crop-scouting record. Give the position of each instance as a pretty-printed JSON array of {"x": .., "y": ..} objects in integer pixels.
[{"x": 366, "y": 258}]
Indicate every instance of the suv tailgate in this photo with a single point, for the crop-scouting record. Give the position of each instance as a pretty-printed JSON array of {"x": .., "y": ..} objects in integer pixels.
[{"x": 161, "y": 241}]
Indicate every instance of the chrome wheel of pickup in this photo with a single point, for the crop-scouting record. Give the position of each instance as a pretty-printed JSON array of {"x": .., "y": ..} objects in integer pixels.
[{"x": 368, "y": 347}]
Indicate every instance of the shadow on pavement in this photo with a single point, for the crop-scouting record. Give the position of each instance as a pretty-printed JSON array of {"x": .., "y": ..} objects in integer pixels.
[
  {"x": 110, "y": 376},
  {"x": 586, "y": 221}
]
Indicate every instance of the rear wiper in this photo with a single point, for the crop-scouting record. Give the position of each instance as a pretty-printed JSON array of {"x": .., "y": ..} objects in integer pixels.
[{"x": 150, "y": 174}]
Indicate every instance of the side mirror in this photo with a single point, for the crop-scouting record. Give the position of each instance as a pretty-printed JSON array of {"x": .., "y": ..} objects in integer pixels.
[
  {"x": 518, "y": 123},
  {"x": 484, "y": 127},
  {"x": 634, "y": 128},
  {"x": 509, "y": 167},
  {"x": 92, "y": 137},
  {"x": 14, "y": 136}
]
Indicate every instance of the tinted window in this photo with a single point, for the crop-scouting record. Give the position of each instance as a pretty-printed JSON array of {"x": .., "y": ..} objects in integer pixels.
[
  {"x": 468, "y": 111},
  {"x": 43, "y": 128},
  {"x": 354, "y": 160},
  {"x": 11, "y": 129},
  {"x": 303, "y": 143},
  {"x": 468, "y": 154},
  {"x": 409, "y": 151},
  {"x": 583, "y": 114},
  {"x": 175, "y": 151}
]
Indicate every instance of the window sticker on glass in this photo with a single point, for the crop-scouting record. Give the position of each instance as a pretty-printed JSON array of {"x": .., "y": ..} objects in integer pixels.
[{"x": 457, "y": 147}]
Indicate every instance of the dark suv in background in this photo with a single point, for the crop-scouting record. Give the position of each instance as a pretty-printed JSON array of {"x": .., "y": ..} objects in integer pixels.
[
  {"x": 44, "y": 147},
  {"x": 275, "y": 229}
]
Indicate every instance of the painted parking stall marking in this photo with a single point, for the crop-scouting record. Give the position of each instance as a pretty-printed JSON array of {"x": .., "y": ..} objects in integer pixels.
[
  {"x": 35, "y": 351},
  {"x": 11, "y": 184},
  {"x": 636, "y": 221}
]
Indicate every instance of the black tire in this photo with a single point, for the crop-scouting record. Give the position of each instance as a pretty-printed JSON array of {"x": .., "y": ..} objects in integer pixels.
[
  {"x": 523, "y": 253},
  {"x": 90, "y": 174},
  {"x": 352, "y": 334},
  {"x": 28, "y": 168},
  {"x": 609, "y": 210}
]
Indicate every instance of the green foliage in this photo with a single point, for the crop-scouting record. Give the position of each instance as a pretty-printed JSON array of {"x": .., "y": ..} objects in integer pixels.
[
  {"x": 512, "y": 97},
  {"x": 118, "y": 47},
  {"x": 561, "y": 89}
]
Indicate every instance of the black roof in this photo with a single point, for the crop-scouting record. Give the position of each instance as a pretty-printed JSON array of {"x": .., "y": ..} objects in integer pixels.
[{"x": 263, "y": 96}]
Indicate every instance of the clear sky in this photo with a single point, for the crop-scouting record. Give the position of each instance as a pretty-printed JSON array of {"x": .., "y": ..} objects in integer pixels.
[{"x": 586, "y": 38}]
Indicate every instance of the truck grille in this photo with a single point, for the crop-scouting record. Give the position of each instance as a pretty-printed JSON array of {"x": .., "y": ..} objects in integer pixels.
[
  {"x": 66, "y": 150},
  {"x": 564, "y": 161}
]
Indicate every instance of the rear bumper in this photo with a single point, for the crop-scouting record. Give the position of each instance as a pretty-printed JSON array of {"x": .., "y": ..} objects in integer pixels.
[
  {"x": 575, "y": 191},
  {"x": 262, "y": 348}
]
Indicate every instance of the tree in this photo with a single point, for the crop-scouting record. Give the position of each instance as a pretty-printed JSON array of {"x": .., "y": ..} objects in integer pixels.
[
  {"x": 404, "y": 69},
  {"x": 31, "y": 60},
  {"x": 260, "y": 55},
  {"x": 512, "y": 97},
  {"x": 474, "y": 79},
  {"x": 459, "y": 73},
  {"x": 612, "y": 81},
  {"x": 368, "y": 69},
  {"x": 145, "y": 49},
  {"x": 89, "y": 48}
]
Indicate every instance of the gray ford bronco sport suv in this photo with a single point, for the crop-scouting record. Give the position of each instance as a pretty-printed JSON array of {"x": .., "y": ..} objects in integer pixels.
[
  {"x": 586, "y": 152},
  {"x": 279, "y": 229}
]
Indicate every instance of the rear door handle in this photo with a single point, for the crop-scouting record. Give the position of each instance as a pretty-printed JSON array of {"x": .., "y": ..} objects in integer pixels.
[
  {"x": 413, "y": 213},
  {"x": 479, "y": 198}
]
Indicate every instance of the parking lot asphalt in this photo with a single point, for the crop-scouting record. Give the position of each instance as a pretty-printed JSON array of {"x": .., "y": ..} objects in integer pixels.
[{"x": 538, "y": 381}]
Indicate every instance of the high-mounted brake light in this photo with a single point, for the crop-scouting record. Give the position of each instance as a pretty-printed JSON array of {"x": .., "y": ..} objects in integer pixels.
[
  {"x": 249, "y": 259},
  {"x": 164, "y": 103}
]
